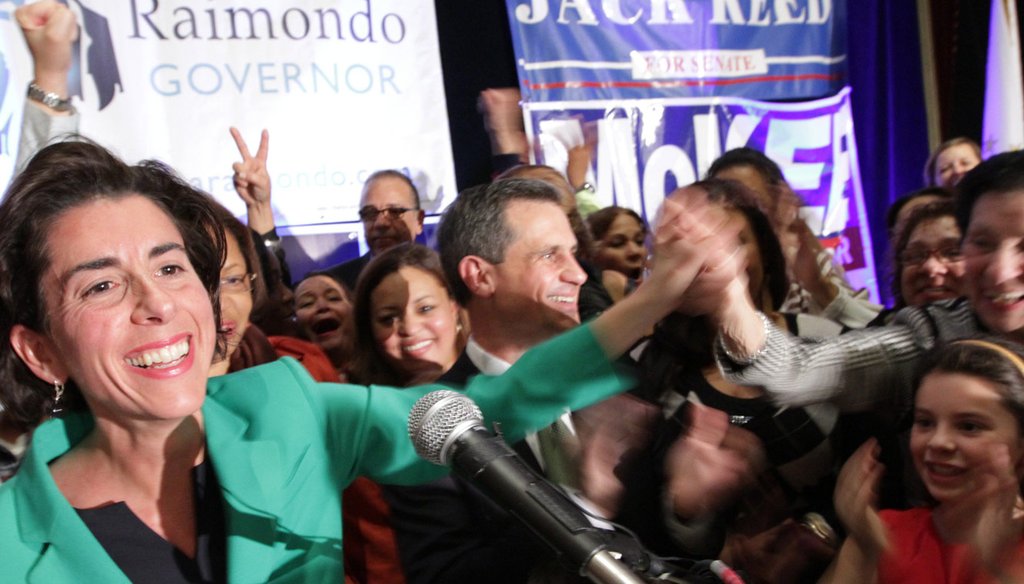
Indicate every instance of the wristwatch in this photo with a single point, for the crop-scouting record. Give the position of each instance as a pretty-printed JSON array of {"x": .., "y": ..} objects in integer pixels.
[
  {"x": 49, "y": 98},
  {"x": 586, "y": 187}
]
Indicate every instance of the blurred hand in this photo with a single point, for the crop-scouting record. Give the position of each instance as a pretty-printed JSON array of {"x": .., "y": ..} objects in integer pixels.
[
  {"x": 696, "y": 251},
  {"x": 607, "y": 431},
  {"x": 50, "y": 30},
  {"x": 252, "y": 182},
  {"x": 856, "y": 498},
  {"x": 803, "y": 251},
  {"x": 503, "y": 120},
  {"x": 579, "y": 163},
  {"x": 711, "y": 464},
  {"x": 990, "y": 516}
]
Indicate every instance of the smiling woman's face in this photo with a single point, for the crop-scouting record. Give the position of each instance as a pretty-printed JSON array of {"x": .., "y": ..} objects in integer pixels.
[
  {"x": 415, "y": 322},
  {"x": 128, "y": 318}
]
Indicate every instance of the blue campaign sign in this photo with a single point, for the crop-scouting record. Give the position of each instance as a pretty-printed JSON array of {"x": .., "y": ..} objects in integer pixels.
[
  {"x": 645, "y": 149},
  {"x": 637, "y": 49}
]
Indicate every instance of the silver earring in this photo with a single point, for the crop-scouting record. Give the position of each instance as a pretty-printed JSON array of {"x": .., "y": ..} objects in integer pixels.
[{"x": 58, "y": 393}]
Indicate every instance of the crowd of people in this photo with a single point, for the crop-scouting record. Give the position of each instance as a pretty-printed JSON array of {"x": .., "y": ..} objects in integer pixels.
[{"x": 173, "y": 407}]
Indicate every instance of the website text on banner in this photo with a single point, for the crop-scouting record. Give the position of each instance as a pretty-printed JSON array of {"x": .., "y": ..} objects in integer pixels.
[
  {"x": 636, "y": 49},
  {"x": 346, "y": 87},
  {"x": 647, "y": 148}
]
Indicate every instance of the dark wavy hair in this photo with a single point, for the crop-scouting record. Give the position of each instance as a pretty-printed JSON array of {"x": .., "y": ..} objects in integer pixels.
[
  {"x": 1002, "y": 173},
  {"x": 893, "y": 212},
  {"x": 967, "y": 358},
  {"x": 369, "y": 364},
  {"x": 600, "y": 221},
  {"x": 62, "y": 177},
  {"x": 745, "y": 156}
]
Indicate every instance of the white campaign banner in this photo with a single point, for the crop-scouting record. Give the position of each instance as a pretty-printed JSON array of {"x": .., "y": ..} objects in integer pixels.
[{"x": 345, "y": 87}]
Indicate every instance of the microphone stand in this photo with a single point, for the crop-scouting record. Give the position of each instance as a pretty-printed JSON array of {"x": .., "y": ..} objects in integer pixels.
[{"x": 604, "y": 568}]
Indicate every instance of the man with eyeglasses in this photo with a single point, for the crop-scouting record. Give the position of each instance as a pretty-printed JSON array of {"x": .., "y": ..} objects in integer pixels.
[{"x": 390, "y": 211}]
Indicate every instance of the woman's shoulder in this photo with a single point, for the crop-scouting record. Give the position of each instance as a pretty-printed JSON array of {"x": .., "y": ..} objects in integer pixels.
[
  {"x": 256, "y": 389},
  {"x": 285, "y": 369},
  {"x": 943, "y": 321}
]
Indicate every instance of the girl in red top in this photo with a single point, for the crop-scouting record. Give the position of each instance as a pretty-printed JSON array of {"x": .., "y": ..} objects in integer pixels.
[{"x": 967, "y": 444}]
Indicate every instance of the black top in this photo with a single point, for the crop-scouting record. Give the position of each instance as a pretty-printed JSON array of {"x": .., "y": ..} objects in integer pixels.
[{"x": 144, "y": 556}]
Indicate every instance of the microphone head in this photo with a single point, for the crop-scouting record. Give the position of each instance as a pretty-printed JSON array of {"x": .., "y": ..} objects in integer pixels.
[{"x": 437, "y": 419}]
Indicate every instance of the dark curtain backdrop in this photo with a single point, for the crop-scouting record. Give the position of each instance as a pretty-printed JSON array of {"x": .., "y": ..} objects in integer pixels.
[
  {"x": 885, "y": 73},
  {"x": 888, "y": 109}
]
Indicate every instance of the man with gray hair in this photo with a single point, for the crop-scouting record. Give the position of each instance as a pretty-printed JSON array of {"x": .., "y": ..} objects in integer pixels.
[
  {"x": 389, "y": 208},
  {"x": 508, "y": 252}
]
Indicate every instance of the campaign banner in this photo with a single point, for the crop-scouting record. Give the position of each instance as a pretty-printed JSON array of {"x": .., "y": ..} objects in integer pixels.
[
  {"x": 345, "y": 88},
  {"x": 636, "y": 49},
  {"x": 645, "y": 149}
]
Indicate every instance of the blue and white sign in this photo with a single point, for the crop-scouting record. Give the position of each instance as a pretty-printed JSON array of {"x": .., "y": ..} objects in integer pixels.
[
  {"x": 645, "y": 149},
  {"x": 345, "y": 87},
  {"x": 636, "y": 49}
]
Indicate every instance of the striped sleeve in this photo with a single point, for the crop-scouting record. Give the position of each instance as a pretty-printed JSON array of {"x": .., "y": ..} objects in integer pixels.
[{"x": 859, "y": 370}]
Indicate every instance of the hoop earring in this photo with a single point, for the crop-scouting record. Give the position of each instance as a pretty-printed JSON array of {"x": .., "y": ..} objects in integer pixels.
[{"x": 58, "y": 391}]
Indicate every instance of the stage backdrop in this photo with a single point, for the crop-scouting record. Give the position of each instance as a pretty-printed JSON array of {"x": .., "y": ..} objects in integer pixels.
[
  {"x": 614, "y": 49},
  {"x": 345, "y": 87},
  {"x": 647, "y": 148}
]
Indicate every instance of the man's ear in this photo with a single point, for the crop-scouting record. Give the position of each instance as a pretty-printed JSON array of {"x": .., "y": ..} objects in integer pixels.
[
  {"x": 420, "y": 214},
  {"x": 478, "y": 275},
  {"x": 39, "y": 353}
]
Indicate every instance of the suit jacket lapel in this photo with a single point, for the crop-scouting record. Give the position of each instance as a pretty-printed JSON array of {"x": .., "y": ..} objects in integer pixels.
[
  {"x": 70, "y": 553},
  {"x": 249, "y": 473}
]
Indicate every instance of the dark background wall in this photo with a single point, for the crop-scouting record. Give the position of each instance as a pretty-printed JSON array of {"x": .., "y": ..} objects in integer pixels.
[{"x": 476, "y": 54}]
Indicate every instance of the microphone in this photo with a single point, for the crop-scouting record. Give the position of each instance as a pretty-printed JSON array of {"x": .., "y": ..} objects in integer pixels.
[{"x": 447, "y": 428}]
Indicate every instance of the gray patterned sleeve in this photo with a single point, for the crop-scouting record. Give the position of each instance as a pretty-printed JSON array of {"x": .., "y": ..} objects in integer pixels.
[{"x": 859, "y": 370}]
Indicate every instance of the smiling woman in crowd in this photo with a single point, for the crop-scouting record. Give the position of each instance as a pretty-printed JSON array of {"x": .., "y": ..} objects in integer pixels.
[
  {"x": 927, "y": 261},
  {"x": 109, "y": 275},
  {"x": 409, "y": 329}
]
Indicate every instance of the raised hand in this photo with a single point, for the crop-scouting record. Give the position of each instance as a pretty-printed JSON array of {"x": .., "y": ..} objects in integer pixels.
[
  {"x": 252, "y": 182},
  {"x": 503, "y": 120},
  {"x": 579, "y": 163},
  {"x": 856, "y": 498},
  {"x": 696, "y": 251},
  {"x": 690, "y": 235},
  {"x": 50, "y": 30},
  {"x": 711, "y": 464}
]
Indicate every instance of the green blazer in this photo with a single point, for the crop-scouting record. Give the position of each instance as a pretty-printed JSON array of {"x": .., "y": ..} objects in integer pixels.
[{"x": 284, "y": 448}]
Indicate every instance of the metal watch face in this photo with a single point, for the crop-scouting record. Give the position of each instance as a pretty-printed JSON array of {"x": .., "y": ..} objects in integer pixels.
[{"x": 49, "y": 99}]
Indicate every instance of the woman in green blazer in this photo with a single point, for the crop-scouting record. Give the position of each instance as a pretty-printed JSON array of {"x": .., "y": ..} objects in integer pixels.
[{"x": 107, "y": 272}]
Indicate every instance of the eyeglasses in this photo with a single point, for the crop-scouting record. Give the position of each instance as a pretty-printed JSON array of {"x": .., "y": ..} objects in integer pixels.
[
  {"x": 237, "y": 283},
  {"x": 946, "y": 255},
  {"x": 370, "y": 214}
]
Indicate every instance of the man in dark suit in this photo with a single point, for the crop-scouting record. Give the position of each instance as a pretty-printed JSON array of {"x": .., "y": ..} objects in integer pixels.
[
  {"x": 507, "y": 250},
  {"x": 390, "y": 211}
]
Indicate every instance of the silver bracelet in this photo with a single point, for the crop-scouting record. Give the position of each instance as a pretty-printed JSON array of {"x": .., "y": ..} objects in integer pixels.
[
  {"x": 748, "y": 359},
  {"x": 49, "y": 98}
]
